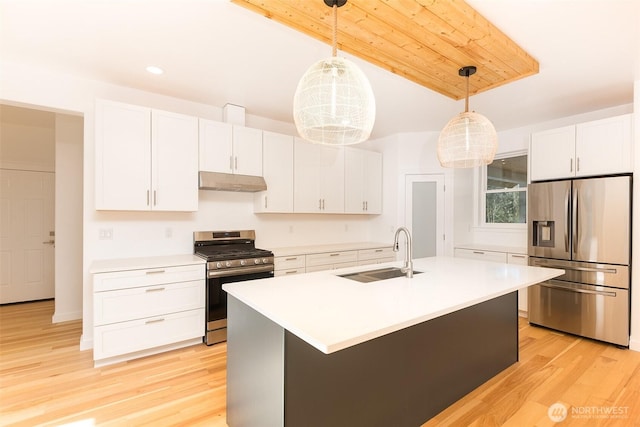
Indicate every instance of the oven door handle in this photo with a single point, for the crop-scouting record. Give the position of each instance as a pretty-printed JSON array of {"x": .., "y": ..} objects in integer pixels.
[
  {"x": 239, "y": 271},
  {"x": 554, "y": 285}
]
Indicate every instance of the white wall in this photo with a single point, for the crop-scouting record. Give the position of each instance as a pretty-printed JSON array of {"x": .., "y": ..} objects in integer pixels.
[
  {"x": 158, "y": 233},
  {"x": 68, "y": 217},
  {"x": 410, "y": 154}
]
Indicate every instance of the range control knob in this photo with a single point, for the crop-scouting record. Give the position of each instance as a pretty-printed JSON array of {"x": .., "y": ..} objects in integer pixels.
[
  {"x": 227, "y": 264},
  {"x": 243, "y": 262},
  {"x": 256, "y": 261},
  {"x": 218, "y": 265},
  {"x": 265, "y": 261}
]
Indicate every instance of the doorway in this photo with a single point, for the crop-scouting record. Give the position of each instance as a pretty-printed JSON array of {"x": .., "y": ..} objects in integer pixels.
[
  {"x": 26, "y": 235},
  {"x": 424, "y": 213}
]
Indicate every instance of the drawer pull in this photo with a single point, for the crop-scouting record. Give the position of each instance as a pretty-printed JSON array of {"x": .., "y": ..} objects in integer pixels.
[
  {"x": 291, "y": 272},
  {"x": 334, "y": 255},
  {"x": 291, "y": 259},
  {"x": 155, "y": 290},
  {"x": 379, "y": 250},
  {"x": 148, "y": 322},
  {"x": 518, "y": 256},
  {"x": 478, "y": 252},
  {"x": 155, "y": 272}
]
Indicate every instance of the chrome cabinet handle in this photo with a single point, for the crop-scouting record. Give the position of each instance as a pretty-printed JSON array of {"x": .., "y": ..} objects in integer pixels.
[
  {"x": 265, "y": 202},
  {"x": 570, "y": 165},
  {"x": 148, "y": 322},
  {"x": 155, "y": 271},
  {"x": 478, "y": 252},
  {"x": 578, "y": 164},
  {"x": 518, "y": 256},
  {"x": 155, "y": 198},
  {"x": 148, "y": 198},
  {"x": 236, "y": 159},
  {"x": 155, "y": 289}
]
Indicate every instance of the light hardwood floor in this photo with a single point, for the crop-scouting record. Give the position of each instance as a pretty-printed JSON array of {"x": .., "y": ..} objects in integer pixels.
[{"x": 45, "y": 380}]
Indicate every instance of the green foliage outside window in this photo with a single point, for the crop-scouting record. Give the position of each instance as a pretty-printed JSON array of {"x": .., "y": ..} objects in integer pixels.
[{"x": 506, "y": 191}]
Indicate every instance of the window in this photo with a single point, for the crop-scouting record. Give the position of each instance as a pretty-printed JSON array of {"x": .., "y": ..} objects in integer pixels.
[{"x": 505, "y": 191}]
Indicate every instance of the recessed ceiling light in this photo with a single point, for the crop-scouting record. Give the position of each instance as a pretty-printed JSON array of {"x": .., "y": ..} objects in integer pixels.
[{"x": 155, "y": 70}]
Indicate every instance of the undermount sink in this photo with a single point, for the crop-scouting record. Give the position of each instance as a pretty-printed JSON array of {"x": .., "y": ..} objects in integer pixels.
[{"x": 375, "y": 275}]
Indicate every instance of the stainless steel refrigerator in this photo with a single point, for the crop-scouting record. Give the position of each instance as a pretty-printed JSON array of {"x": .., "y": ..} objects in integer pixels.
[{"x": 584, "y": 227}]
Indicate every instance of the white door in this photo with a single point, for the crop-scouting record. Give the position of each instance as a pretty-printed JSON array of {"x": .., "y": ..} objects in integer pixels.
[
  {"x": 26, "y": 235},
  {"x": 424, "y": 213}
]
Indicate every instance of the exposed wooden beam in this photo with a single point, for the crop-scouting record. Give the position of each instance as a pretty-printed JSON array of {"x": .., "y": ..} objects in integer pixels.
[{"x": 425, "y": 41}]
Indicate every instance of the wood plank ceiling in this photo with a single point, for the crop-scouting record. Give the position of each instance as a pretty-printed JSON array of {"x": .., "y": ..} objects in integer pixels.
[{"x": 425, "y": 41}]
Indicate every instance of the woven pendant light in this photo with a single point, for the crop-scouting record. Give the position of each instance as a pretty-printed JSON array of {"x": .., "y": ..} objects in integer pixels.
[
  {"x": 469, "y": 139},
  {"x": 334, "y": 103}
]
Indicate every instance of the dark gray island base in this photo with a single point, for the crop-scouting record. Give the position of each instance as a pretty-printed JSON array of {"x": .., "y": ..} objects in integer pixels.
[{"x": 400, "y": 379}]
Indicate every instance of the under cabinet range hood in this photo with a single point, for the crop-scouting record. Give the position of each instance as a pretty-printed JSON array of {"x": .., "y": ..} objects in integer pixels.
[{"x": 230, "y": 182}]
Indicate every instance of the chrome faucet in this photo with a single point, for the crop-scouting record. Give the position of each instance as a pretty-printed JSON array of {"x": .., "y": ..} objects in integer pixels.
[{"x": 408, "y": 259}]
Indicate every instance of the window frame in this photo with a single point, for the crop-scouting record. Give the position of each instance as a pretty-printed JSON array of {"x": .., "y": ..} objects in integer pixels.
[{"x": 480, "y": 195}]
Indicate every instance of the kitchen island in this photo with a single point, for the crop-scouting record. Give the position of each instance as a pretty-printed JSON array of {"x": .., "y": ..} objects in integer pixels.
[{"x": 319, "y": 349}]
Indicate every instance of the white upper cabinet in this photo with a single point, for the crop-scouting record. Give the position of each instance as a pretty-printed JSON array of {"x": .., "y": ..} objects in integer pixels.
[
  {"x": 216, "y": 146},
  {"x": 363, "y": 181},
  {"x": 230, "y": 148},
  {"x": 277, "y": 168},
  {"x": 145, "y": 159},
  {"x": 604, "y": 146},
  {"x": 552, "y": 153},
  {"x": 593, "y": 148},
  {"x": 318, "y": 178}
]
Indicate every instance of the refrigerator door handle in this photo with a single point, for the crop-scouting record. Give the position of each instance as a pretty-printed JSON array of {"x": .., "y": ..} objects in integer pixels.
[
  {"x": 567, "y": 220},
  {"x": 553, "y": 285},
  {"x": 587, "y": 269},
  {"x": 574, "y": 231}
]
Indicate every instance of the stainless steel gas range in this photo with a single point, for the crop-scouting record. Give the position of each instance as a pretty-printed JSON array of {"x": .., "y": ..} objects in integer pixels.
[{"x": 231, "y": 257}]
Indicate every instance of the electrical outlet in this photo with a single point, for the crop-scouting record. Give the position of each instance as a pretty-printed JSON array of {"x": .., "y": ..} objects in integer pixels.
[{"x": 106, "y": 234}]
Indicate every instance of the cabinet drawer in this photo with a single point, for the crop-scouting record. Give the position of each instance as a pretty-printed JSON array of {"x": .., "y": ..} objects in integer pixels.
[
  {"x": 481, "y": 255},
  {"x": 289, "y": 262},
  {"x": 138, "y": 303},
  {"x": 127, "y": 337},
  {"x": 288, "y": 272},
  {"x": 519, "y": 259},
  {"x": 147, "y": 277},
  {"x": 376, "y": 253},
  {"x": 330, "y": 258},
  {"x": 331, "y": 266},
  {"x": 375, "y": 261}
]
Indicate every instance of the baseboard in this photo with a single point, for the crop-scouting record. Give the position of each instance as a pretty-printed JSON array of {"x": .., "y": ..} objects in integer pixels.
[
  {"x": 86, "y": 343},
  {"x": 66, "y": 317},
  {"x": 634, "y": 344}
]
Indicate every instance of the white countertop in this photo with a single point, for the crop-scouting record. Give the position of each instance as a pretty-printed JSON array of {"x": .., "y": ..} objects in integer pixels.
[
  {"x": 332, "y": 313},
  {"x": 139, "y": 263},
  {"x": 337, "y": 247},
  {"x": 495, "y": 248}
]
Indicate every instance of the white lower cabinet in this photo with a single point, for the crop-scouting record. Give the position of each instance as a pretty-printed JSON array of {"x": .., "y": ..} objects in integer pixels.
[
  {"x": 498, "y": 256},
  {"x": 481, "y": 255},
  {"x": 294, "y": 264},
  {"x": 324, "y": 259},
  {"x": 376, "y": 255},
  {"x": 331, "y": 260},
  {"x": 139, "y": 312}
]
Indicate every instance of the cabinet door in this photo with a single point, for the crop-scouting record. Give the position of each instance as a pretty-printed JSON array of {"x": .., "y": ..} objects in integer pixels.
[
  {"x": 247, "y": 151},
  {"x": 175, "y": 162},
  {"x": 373, "y": 182},
  {"x": 215, "y": 142},
  {"x": 306, "y": 181},
  {"x": 354, "y": 180},
  {"x": 362, "y": 181},
  {"x": 123, "y": 156},
  {"x": 332, "y": 179},
  {"x": 277, "y": 168},
  {"x": 604, "y": 146},
  {"x": 552, "y": 153}
]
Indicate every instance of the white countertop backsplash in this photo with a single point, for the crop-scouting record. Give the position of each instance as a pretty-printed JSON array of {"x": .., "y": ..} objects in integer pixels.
[{"x": 338, "y": 247}]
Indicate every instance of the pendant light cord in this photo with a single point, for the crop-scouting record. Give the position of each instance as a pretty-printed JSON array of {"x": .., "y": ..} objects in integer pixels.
[
  {"x": 335, "y": 29},
  {"x": 466, "y": 100}
]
